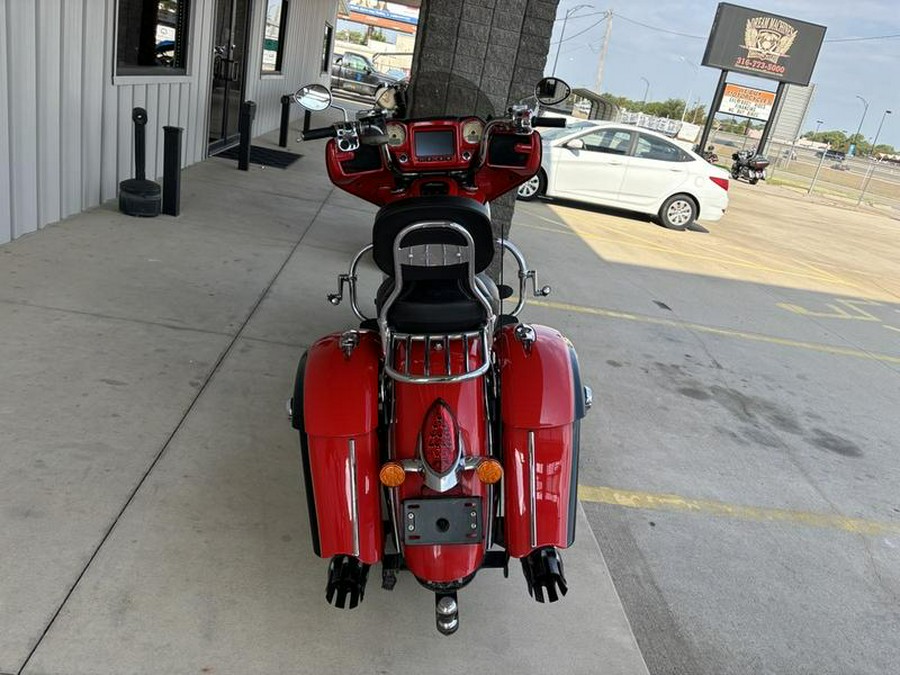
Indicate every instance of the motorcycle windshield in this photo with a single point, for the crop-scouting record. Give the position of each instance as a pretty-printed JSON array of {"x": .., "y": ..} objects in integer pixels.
[{"x": 437, "y": 93}]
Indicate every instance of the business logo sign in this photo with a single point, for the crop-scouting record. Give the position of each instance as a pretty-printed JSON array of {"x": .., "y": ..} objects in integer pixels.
[
  {"x": 742, "y": 101},
  {"x": 758, "y": 43}
]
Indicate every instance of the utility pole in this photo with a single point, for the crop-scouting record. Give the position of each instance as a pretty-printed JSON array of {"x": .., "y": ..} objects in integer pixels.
[{"x": 602, "y": 61}]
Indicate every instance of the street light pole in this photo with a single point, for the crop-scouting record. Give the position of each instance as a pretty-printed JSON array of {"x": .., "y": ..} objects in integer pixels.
[
  {"x": 646, "y": 91},
  {"x": 691, "y": 90},
  {"x": 862, "y": 119},
  {"x": 563, "y": 34},
  {"x": 877, "y": 133},
  {"x": 819, "y": 125}
]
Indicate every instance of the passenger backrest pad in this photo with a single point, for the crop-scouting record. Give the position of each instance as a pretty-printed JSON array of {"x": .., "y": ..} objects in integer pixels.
[{"x": 467, "y": 213}]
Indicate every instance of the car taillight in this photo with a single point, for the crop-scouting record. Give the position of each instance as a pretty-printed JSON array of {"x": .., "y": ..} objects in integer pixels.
[
  {"x": 440, "y": 438},
  {"x": 721, "y": 182}
]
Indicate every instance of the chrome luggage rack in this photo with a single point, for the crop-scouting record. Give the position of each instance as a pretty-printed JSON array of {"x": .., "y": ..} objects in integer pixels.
[
  {"x": 402, "y": 365},
  {"x": 421, "y": 256},
  {"x": 436, "y": 255}
]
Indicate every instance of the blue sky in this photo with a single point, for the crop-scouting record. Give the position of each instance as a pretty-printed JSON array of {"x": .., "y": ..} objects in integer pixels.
[{"x": 844, "y": 70}]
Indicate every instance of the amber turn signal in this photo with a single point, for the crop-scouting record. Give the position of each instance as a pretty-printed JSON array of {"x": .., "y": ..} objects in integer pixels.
[
  {"x": 489, "y": 471},
  {"x": 392, "y": 475}
]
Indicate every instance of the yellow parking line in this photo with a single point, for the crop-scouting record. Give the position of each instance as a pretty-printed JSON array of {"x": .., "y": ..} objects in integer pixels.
[
  {"x": 668, "y": 502},
  {"x": 701, "y": 328}
]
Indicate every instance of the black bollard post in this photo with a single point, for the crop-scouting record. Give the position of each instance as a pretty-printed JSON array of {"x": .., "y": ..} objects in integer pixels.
[
  {"x": 139, "y": 117},
  {"x": 171, "y": 197},
  {"x": 139, "y": 196},
  {"x": 245, "y": 124},
  {"x": 285, "y": 120}
]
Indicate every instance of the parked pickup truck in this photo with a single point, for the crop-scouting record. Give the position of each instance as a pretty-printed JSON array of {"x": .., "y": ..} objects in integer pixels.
[{"x": 354, "y": 72}]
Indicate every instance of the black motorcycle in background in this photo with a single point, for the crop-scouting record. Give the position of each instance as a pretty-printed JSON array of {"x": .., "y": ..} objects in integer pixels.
[{"x": 749, "y": 165}]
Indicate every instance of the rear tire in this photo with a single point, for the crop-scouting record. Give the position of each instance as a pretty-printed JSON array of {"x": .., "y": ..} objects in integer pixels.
[
  {"x": 678, "y": 212},
  {"x": 754, "y": 180},
  {"x": 533, "y": 188}
]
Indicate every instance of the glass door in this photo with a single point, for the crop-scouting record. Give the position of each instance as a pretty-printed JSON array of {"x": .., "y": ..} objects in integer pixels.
[{"x": 229, "y": 71}]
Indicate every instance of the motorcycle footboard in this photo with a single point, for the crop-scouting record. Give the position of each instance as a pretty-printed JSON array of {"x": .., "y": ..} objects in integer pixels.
[
  {"x": 542, "y": 403},
  {"x": 335, "y": 409}
]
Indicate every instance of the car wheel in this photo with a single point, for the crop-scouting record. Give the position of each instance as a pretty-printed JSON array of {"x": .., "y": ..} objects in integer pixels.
[
  {"x": 533, "y": 188},
  {"x": 678, "y": 212}
]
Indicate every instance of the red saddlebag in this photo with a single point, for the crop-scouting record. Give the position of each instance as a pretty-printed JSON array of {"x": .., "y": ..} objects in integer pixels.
[
  {"x": 542, "y": 403},
  {"x": 335, "y": 408}
]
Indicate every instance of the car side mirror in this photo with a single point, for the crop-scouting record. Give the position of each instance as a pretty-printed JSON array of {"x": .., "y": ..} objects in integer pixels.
[{"x": 575, "y": 144}]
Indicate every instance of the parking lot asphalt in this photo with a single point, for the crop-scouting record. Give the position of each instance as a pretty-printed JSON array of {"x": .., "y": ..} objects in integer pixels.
[{"x": 741, "y": 466}]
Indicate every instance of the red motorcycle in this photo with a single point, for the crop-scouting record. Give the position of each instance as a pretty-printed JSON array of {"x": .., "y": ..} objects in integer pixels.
[{"x": 442, "y": 435}]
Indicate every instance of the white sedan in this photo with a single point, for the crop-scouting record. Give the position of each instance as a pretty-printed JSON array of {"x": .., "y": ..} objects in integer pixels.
[{"x": 629, "y": 168}]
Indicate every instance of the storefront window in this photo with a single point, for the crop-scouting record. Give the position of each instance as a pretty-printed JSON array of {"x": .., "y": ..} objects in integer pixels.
[
  {"x": 152, "y": 37},
  {"x": 273, "y": 37}
]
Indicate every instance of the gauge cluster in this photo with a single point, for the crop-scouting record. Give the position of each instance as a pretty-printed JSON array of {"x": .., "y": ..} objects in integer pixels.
[{"x": 433, "y": 145}]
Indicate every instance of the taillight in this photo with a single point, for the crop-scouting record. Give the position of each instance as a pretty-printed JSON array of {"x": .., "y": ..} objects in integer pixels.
[
  {"x": 721, "y": 182},
  {"x": 440, "y": 438}
]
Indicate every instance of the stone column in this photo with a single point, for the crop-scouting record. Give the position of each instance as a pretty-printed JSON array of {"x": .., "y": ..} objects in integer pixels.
[{"x": 477, "y": 57}]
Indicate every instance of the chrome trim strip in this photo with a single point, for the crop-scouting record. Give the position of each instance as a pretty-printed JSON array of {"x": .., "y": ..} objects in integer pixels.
[
  {"x": 465, "y": 339},
  {"x": 532, "y": 484},
  {"x": 446, "y": 346},
  {"x": 354, "y": 502}
]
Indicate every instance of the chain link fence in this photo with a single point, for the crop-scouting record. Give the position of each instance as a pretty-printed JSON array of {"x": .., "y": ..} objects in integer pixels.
[{"x": 853, "y": 181}]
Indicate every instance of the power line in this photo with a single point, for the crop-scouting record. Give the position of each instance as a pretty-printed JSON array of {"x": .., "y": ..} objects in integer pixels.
[
  {"x": 661, "y": 30},
  {"x": 572, "y": 37},
  {"x": 704, "y": 37},
  {"x": 860, "y": 39}
]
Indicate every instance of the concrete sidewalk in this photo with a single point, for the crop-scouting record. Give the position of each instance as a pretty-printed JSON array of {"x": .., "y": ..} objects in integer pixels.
[{"x": 152, "y": 518}]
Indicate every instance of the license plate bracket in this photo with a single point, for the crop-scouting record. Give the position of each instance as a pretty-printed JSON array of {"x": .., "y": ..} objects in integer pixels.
[{"x": 446, "y": 520}]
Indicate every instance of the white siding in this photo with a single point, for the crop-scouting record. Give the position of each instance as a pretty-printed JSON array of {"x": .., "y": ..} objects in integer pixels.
[
  {"x": 21, "y": 57},
  {"x": 5, "y": 160},
  {"x": 301, "y": 60},
  {"x": 66, "y": 134}
]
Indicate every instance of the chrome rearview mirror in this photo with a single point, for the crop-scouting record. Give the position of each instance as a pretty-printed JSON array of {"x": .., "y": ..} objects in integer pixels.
[
  {"x": 551, "y": 90},
  {"x": 313, "y": 97}
]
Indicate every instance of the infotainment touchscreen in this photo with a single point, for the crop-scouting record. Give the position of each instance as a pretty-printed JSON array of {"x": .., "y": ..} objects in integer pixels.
[{"x": 434, "y": 144}]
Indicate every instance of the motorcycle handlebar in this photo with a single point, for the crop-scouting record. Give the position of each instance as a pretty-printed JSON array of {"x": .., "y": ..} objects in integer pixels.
[
  {"x": 559, "y": 122},
  {"x": 315, "y": 134}
]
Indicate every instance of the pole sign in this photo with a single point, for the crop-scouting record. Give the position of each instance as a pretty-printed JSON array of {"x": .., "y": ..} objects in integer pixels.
[
  {"x": 743, "y": 101},
  {"x": 766, "y": 45}
]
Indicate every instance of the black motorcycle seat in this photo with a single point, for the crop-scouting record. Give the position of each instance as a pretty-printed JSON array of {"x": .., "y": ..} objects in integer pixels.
[
  {"x": 469, "y": 214},
  {"x": 435, "y": 307}
]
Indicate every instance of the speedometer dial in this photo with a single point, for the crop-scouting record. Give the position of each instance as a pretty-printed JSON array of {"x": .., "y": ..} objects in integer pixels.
[
  {"x": 472, "y": 131},
  {"x": 396, "y": 134}
]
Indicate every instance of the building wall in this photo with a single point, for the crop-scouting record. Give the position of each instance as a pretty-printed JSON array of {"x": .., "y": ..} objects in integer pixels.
[{"x": 65, "y": 123}]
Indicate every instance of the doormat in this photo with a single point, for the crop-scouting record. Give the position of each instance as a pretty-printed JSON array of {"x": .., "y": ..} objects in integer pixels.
[{"x": 266, "y": 156}]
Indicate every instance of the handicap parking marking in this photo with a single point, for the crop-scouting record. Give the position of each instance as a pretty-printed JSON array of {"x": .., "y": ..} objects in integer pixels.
[
  {"x": 842, "y": 309},
  {"x": 652, "y": 501},
  {"x": 723, "y": 332}
]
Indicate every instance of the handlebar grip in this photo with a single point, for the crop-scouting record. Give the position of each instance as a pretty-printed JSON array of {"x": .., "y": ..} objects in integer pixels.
[
  {"x": 559, "y": 122},
  {"x": 314, "y": 134}
]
